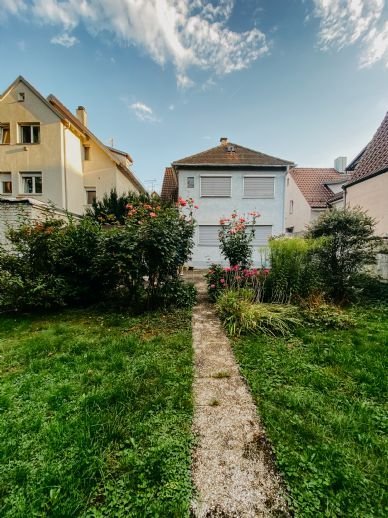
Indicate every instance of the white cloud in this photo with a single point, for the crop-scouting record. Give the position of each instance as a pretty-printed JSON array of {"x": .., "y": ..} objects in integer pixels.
[
  {"x": 143, "y": 112},
  {"x": 186, "y": 33},
  {"x": 65, "y": 40},
  {"x": 346, "y": 22}
]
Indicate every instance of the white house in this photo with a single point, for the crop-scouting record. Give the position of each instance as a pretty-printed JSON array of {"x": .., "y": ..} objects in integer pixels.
[
  {"x": 225, "y": 178},
  {"x": 50, "y": 156}
]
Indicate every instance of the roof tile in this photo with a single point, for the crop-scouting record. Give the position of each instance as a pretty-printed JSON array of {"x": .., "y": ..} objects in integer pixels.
[{"x": 312, "y": 184}]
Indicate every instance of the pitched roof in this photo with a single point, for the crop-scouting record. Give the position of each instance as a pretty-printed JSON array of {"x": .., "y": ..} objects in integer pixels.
[
  {"x": 75, "y": 122},
  {"x": 170, "y": 185},
  {"x": 374, "y": 159},
  {"x": 312, "y": 184},
  {"x": 229, "y": 154}
]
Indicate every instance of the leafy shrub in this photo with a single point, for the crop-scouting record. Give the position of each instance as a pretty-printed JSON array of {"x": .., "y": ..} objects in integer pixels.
[
  {"x": 175, "y": 293},
  {"x": 327, "y": 316},
  {"x": 55, "y": 262},
  {"x": 349, "y": 244},
  {"x": 294, "y": 269},
  {"x": 236, "y": 235},
  {"x": 240, "y": 315},
  {"x": 220, "y": 278}
]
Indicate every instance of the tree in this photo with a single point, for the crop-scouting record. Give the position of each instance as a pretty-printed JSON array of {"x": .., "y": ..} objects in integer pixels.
[{"x": 348, "y": 245}]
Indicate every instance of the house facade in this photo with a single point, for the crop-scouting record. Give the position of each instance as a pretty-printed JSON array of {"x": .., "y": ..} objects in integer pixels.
[
  {"x": 49, "y": 155},
  {"x": 225, "y": 178},
  {"x": 368, "y": 186},
  {"x": 309, "y": 192}
]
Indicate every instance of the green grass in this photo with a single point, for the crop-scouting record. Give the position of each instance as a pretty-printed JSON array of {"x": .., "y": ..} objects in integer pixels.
[
  {"x": 95, "y": 415},
  {"x": 323, "y": 399}
]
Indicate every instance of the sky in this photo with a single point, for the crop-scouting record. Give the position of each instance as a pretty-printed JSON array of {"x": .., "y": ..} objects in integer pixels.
[{"x": 304, "y": 80}]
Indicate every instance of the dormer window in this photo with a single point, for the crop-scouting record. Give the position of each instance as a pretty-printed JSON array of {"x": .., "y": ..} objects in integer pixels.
[
  {"x": 5, "y": 136},
  {"x": 29, "y": 133}
]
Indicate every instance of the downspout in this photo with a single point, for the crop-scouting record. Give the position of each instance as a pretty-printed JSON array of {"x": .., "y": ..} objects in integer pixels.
[
  {"x": 284, "y": 200},
  {"x": 64, "y": 163}
]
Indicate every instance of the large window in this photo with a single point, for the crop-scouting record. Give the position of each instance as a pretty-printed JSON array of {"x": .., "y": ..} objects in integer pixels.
[
  {"x": 259, "y": 186},
  {"x": 29, "y": 133},
  {"x": 5, "y": 183},
  {"x": 208, "y": 235},
  {"x": 32, "y": 183},
  {"x": 5, "y": 135},
  {"x": 216, "y": 186}
]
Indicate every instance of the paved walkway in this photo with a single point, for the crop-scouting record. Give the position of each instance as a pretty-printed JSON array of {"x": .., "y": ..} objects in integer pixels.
[{"x": 232, "y": 468}]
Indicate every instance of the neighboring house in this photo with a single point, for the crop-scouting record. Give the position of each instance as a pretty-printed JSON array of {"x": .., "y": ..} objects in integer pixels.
[
  {"x": 49, "y": 155},
  {"x": 311, "y": 191},
  {"x": 368, "y": 187},
  {"x": 225, "y": 178}
]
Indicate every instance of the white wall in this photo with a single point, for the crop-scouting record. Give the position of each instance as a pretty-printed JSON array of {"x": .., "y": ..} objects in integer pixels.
[{"x": 301, "y": 216}]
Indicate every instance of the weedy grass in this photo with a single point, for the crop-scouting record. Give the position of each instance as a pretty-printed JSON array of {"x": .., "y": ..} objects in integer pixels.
[
  {"x": 96, "y": 415},
  {"x": 323, "y": 398}
]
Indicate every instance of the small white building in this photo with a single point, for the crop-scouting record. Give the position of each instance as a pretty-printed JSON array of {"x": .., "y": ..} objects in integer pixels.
[
  {"x": 50, "y": 156},
  {"x": 225, "y": 178}
]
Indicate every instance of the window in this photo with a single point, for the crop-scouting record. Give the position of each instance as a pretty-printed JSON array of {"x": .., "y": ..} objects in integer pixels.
[
  {"x": 291, "y": 209},
  {"x": 29, "y": 133},
  {"x": 31, "y": 183},
  {"x": 5, "y": 183},
  {"x": 259, "y": 186},
  {"x": 5, "y": 134},
  {"x": 86, "y": 153},
  {"x": 208, "y": 235},
  {"x": 216, "y": 186},
  {"x": 21, "y": 97},
  {"x": 90, "y": 195},
  {"x": 288, "y": 182},
  {"x": 190, "y": 182}
]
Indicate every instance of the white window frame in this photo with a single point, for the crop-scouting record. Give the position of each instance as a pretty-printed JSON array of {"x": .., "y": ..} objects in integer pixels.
[
  {"x": 5, "y": 177},
  {"x": 187, "y": 182},
  {"x": 87, "y": 190},
  {"x": 260, "y": 176},
  {"x": 216, "y": 176},
  {"x": 33, "y": 175},
  {"x": 31, "y": 125}
]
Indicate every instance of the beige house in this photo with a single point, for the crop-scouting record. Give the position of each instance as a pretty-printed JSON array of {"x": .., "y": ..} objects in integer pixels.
[
  {"x": 49, "y": 156},
  {"x": 368, "y": 187},
  {"x": 311, "y": 191}
]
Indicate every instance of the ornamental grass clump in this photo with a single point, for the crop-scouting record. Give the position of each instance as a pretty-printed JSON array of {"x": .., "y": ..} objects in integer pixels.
[
  {"x": 241, "y": 315},
  {"x": 236, "y": 236}
]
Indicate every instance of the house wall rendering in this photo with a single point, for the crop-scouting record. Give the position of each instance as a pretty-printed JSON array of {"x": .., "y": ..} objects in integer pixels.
[{"x": 297, "y": 210}]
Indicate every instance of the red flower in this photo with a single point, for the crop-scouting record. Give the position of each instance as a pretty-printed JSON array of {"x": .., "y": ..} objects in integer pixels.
[{"x": 182, "y": 202}]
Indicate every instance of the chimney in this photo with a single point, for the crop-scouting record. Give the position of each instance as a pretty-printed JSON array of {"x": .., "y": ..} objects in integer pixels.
[
  {"x": 224, "y": 141},
  {"x": 340, "y": 163},
  {"x": 82, "y": 115}
]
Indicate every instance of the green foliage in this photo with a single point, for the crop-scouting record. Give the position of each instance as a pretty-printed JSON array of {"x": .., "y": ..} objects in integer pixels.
[
  {"x": 95, "y": 415},
  {"x": 241, "y": 315},
  {"x": 294, "y": 273},
  {"x": 327, "y": 316},
  {"x": 322, "y": 399},
  {"x": 56, "y": 263},
  {"x": 349, "y": 245},
  {"x": 236, "y": 235}
]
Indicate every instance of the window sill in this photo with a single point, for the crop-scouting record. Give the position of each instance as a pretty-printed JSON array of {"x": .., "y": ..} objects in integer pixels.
[
  {"x": 258, "y": 197},
  {"x": 215, "y": 196}
]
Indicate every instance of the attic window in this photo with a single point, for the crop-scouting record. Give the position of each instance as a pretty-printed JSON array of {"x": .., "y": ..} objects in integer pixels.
[
  {"x": 230, "y": 149},
  {"x": 21, "y": 97},
  {"x": 4, "y": 134},
  {"x": 86, "y": 152}
]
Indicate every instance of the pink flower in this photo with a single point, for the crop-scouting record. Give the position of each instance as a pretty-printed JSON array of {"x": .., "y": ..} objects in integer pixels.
[
  {"x": 227, "y": 269},
  {"x": 222, "y": 281},
  {"x": 152, "y": 214},
  {"x": 182, "y": 202},
  {"x": 212, "y": 286},
  {"x": 196, "y": 207}
]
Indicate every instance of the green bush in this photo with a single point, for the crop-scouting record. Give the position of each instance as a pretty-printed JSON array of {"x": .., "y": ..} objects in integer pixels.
[
  {"x": 241, "y": 315},
  {"x": 220, "y": 278},
  {"x": 236, "y": 235},
  {"x": 55, "y": 263},
  {"x": 294, "y": 273},
  {"x": 327, "y": 316},
  {"x": 349, "y": 245}
]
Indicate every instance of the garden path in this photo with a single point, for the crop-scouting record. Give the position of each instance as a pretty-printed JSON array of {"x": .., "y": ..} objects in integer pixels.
[{"x": 233, "y": 472}]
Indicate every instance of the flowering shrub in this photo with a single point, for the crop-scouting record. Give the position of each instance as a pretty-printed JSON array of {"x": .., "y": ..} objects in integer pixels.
[
  {"x": 236, "y": 235},
  {"x": 221, "y": 278},
  {"x": 55, "y": 262}
]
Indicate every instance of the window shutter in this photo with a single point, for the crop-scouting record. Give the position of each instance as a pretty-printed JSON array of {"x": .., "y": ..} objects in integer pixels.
[
  {"x": 216, "y": 186},
  {"x": 259, "y": 187},
  {"x": 262, "y": 235},
  {"x": 208, "y": 235}
]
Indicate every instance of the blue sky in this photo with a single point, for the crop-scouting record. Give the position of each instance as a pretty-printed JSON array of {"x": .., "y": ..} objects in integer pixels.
[{"x": 305, "y": 80}]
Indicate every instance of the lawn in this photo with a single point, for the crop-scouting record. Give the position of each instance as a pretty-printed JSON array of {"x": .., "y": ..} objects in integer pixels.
[
  {"x": 96, "y": 415},
  {"x": 323, "y": 398}
]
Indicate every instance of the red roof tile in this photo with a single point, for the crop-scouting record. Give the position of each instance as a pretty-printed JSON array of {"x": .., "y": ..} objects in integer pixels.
[
  {"x": 312, "y": 184},
  {"x": 170, "y": 185},
  {"x": 230, "y": 154},
  {"x": 374, "y": 159}
]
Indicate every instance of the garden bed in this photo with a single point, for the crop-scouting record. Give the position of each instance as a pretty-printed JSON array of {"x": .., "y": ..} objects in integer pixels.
[
  {"x": 96, "y": 414},
  {"x": 322, "y": 397}
]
